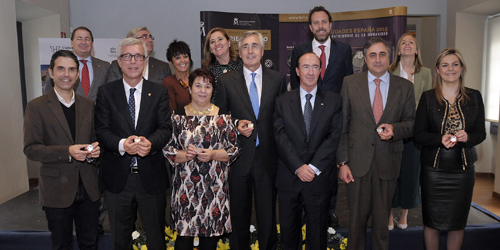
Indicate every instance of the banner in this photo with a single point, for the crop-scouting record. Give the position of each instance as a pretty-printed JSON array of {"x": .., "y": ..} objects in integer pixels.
[
  {"x": 285, "y": 31},
  {"x": 104, "y": 49}
]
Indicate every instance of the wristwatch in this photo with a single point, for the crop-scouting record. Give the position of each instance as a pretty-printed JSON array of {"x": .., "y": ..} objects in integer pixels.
[{"x": 342, "y": 164}]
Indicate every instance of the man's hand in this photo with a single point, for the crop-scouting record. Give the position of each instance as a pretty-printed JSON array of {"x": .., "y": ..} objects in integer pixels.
[
  {"x": 305, "y": 173},
  {"x": 78, "y": 151},
  {"x": 130, "y": 146},
  {"x": 345, "y": 174},
  {"x": 446, "y": 141},
  {"x": 143, "y": 146},
  {"x": 244, "y": 129},
  {"x": 387, "y": 132},
  {"x": 96, "y": 151}
]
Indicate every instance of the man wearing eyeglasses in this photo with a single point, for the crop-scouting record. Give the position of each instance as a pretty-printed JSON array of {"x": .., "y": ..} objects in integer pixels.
[
  {"x": 93, "y": 71},
  {"x": 132, "y": 121},
  {"x": 154, "y": 70},
  {"x": 249, "y": 94}
]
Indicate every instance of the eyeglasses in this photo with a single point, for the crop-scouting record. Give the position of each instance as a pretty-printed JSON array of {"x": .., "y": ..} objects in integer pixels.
[
  {"x": 246, "y": 46},
  {"x": 146, "y": 37},
  {"x": 128, "y": 57}
]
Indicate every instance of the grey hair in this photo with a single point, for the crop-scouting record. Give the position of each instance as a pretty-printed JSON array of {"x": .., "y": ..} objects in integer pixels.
[
  {"x": 133, "y": 32},
  {"x": 251, "y": 33},
  {"x": 131, "y": 41}
]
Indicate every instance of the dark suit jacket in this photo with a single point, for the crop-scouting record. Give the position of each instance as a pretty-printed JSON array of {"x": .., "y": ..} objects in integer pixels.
[
  {"x": 47, "y": 138},
  {"x": 294, "y": 149},
  {"x": 100, "y": 69},
  {"x": 113, "y": 122},
  {"x": 339, "y": 65},
  {"x": 232, "y": 95},
  {"x": 158, "y": 70},
  {"x": 360, "y": 141}
]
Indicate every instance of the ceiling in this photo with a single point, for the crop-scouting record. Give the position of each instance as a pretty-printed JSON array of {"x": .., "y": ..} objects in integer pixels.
[{"x": 26, "y": 11}]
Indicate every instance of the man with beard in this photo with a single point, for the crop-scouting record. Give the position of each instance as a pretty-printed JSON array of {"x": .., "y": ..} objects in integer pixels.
[
  {"x": 336, "y": 63},
  {"x": 154, "y": 70}
]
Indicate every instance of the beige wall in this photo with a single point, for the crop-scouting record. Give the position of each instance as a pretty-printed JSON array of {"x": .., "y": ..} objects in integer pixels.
[{"x": 14, "y": 176}]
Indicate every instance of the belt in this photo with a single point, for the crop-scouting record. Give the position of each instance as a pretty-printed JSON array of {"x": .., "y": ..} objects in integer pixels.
[{"x": 134, "y": 170}]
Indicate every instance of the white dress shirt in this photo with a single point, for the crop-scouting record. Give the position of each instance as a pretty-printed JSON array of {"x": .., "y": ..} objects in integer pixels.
[
  {"x": 317, "y": 50},
  {"x": 303, "y": 100},
  {"x": 137, "y": 97},
  {"x": 258, "y": 80}
]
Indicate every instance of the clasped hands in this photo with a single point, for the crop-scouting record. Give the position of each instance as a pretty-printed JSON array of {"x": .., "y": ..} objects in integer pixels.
[
  {"x": 305, "y": 173},
  {"x": 460, "y": 135},
  {"x": 203, "y": 154},
  {"x": 244, "y": 129},
  {"x": 79, "y": 151},
  {"x": 140, "y": 147}
]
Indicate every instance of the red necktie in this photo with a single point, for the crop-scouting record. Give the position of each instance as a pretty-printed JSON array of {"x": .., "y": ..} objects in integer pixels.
[
  {"x": 85, "y": 78},
  {"x": 378, "y": 105},
  {"x": 323, "y": 60}
]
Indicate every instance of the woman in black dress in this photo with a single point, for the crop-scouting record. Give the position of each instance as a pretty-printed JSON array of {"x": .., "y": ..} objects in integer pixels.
[{"x": 449, "y": 124}]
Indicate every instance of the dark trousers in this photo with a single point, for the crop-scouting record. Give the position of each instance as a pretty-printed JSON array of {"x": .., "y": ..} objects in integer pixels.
[
  {"x": 333, "y": 198},
  {"x": 122, "y": 211},
  {"x": 290, "y": 211},
  {"x": 84, "y": 213},
  {"x": 369, "y": 196},
  {"x": 240, "y": 188}
]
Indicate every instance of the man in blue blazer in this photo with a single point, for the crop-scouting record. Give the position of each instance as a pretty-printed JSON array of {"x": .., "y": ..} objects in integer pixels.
[{"x": 336, "y": 58}]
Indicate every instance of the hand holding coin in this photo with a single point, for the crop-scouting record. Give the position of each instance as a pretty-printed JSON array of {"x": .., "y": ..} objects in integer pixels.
[{"x": 137, "y": 139}]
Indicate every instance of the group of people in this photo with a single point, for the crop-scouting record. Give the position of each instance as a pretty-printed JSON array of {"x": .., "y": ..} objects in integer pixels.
[{"x": 234, "y": 136}]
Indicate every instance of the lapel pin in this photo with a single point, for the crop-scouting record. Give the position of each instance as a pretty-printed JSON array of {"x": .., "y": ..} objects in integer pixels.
[
  {"x": 321, "y": 104},
  {"x": 149, "y": 94}
]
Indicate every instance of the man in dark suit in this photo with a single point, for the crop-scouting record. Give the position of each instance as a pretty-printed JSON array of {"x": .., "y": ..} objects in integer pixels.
[
  {"x": 154, "y": 70},
  {"x": 93, "y": 71},
  {"x": 337, "y": 62},
  {"x": 307, "y": 125},
  {"x": 379, "y": 112},
  {"x": 59, "y": 133},
  {"x": 336, "y": 58},
  {"x": 133, "y": 125},
  {"x": 249, "y": 94}
]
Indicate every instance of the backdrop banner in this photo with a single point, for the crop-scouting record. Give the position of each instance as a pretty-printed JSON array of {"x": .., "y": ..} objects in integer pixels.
[{"x": 282, "y": 32}]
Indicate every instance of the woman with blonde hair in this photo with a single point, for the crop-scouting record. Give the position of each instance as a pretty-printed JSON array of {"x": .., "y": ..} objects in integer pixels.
[{"x": 449, "y": 124}]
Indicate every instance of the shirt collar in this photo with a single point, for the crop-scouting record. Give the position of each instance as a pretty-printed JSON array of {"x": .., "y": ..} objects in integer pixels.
[
  {"x": 88, "y": 59},
  {"x": 138, "y": 87},
  {"x": 327, "y": 44},
  {"x": 247, "y": 72},
  {"x": 303, "y": 93},
  {"x": 385, "y": 78},
  {"x": 61, "y": 100}
]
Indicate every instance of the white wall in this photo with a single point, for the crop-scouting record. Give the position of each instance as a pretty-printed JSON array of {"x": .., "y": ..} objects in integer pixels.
[
  {"x": 14, "y": 175},
  {"x": 171, "y": 19}
]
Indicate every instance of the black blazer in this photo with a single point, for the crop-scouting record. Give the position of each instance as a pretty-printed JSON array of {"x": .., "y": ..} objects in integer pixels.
[
  {"x": 232, "y": 95},
  {"x": 339, "y": 65},
  {"x": 293, "y": 148},
  {"x": 113, "y": 122}
]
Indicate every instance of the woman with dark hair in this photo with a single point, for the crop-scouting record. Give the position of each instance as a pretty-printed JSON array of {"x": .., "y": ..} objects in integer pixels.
[
  {"x": 408, "y": 65},
  {"x": 449, "y": 124},
  {"x": 220, "y": 57},
  {"x": 179, "y": 55},
  {"x": 203, "y": 145}
]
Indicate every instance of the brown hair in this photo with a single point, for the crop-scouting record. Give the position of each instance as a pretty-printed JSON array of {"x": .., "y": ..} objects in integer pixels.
[
  {"x": 438, "y": 82},
  {"x": 418, "y": 60},
  {"x": 203, "y": 73},
  {"x": 209, "y": 59}
]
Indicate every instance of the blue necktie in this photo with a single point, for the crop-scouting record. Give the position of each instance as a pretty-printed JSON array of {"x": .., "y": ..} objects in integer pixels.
[
  {"x": 254, "y": 97},
  {"x": 131, "y": 108},
  {"x": 308, "y": 114}
]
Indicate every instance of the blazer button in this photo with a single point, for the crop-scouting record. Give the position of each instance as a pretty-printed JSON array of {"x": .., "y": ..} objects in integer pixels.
[{"x": 373, "y": 144}]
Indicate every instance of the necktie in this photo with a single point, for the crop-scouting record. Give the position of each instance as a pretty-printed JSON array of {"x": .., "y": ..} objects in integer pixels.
[
  {"x": 254, "y": 98},
  {"x": 323, "y": 60},
  {"x": 308, "y": 114},
  {"x": 131, "y": 109},
  {"x": 85, "y": 78},
  {"x": 378, "y": 105}
]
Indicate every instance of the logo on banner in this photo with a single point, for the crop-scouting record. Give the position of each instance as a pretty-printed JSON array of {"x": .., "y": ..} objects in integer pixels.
[
  {"x": 235, "y": 21},
  {"x": 57, "y": 48},
  {"x": 202, "y": 28},
  {"x": 112, "y": 50},
  {"x": 268, "y": 63},
  {"x": 239, "y": 22}
]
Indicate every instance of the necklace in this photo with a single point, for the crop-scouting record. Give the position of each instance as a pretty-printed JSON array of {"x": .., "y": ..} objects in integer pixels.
[
  {"x": 181, "y": 82},
  {"x": 207, "y": 111}
]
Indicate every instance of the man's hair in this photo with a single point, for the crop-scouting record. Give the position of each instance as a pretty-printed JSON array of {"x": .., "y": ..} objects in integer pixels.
[
  {"x": 131, "y": 41},
  {"x": 375, "y": 40},
  {"x": 133, "y": 32},
  {"x": 82, "y": 28},
  {"x": 251, "y": 33},
  {"x": 303, "y": 54},
  {"x": 317, "y": 9},
  {"x": 63, "y": 53}
]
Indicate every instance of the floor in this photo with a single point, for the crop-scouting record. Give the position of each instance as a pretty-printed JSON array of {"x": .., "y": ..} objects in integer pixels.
[{"x": 483, "y": 193}]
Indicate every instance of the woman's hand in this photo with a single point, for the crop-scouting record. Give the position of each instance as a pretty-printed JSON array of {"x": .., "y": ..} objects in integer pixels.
[
  {"x": 461, "y": 136},
  {"x": 446, "y": 141},
  {"x": 206, "y": 155},
  {"x": 191, "y": 152}
]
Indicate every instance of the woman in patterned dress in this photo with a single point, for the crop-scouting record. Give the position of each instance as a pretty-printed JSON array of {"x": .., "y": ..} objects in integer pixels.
[
  {"x": 220, "y": 57},
  {"x": 203, "y": 145},
  {"x": 449, "y": 124}
]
